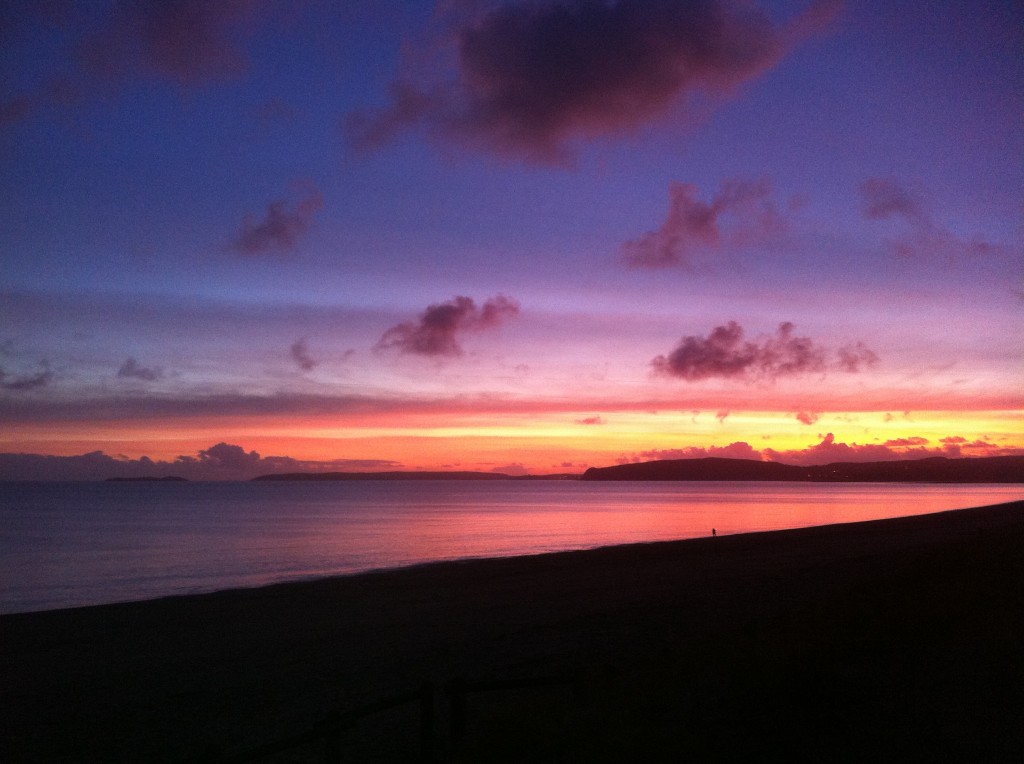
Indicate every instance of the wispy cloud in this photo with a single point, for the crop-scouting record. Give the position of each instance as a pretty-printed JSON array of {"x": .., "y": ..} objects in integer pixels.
[
  {"x": 280, "y": 229},
  {"x": 187, "y": 41},
  {"x": 22, "y": 382},
  {"x": 888, "y": 199},
  {"x": 741, "y": 211},
  {"x": 132, "y": 369},
  {"x": 299, "y": 352},
  {"x": 438, "y": 329}
]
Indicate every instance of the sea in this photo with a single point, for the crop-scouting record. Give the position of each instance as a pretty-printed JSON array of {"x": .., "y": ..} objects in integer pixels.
[{"x": 76, "y": 544}]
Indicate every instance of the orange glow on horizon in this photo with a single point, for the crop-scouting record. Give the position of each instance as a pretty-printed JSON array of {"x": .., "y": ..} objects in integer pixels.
[{"x": 551, "y": 442}]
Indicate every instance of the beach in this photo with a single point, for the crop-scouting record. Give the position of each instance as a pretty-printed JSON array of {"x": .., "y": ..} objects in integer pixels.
[{"x": 893, "y": 639}]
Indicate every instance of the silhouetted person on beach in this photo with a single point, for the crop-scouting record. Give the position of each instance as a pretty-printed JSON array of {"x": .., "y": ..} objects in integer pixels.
[{"x": 713, "y": 533}]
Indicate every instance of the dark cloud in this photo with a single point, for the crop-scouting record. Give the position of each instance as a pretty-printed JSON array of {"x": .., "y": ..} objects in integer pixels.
[
  {"x": 187, "y": 41},
  {"x": 131, "y": 369},
  {"x": 807, "y": 417},
  {"x": 740, "y": 212},
  {"x": 885, "y": 198},
  {"x": 532, "y": 77},
  {"x": 279, "y": 230},
  {"x": 226, "y": 456},
  {"x": 725, "y": 354},
  {"x": 14, "y": 110},
  {"x": 299, "y": 352},
  {"x": 436, "y": 333},
  {"x": 24, "y": 382}
]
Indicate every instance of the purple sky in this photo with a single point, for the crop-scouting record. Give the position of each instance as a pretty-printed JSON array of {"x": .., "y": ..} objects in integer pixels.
[{"x": 422, "y": 234}]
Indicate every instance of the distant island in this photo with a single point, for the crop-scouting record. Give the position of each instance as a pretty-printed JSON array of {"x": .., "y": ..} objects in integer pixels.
[
  {"x": 316, "y": 476},
  {"x": 938, "y": 469},
  {"x": 148, "y": 479}
]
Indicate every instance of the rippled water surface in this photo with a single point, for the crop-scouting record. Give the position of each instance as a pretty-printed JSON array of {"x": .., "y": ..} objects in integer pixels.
[{"x": 68, "y": 544}]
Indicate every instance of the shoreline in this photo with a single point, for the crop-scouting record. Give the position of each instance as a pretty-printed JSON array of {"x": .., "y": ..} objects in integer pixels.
[
  {"x": 927, "y": 606},
  {"x": 129, "y": 577}
]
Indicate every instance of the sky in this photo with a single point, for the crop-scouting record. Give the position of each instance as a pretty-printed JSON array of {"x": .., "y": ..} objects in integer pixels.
[{"x": 526, "y": 237}]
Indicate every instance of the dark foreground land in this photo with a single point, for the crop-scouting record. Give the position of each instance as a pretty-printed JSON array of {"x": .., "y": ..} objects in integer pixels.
[{"x": 890, "y": 640}]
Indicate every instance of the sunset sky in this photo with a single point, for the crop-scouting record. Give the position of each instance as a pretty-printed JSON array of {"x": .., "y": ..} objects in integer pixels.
[{"x": 522, "y": 236}]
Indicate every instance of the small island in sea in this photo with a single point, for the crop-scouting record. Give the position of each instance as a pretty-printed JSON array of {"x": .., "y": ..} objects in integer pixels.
[
  {"x": 408, "y": 475},
  {"x": 148, "y": 479}
]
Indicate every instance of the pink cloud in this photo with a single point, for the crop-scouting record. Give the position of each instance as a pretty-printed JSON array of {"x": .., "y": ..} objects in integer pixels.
[
  {"x": 853, "y": 357},
  {"x": 807, "y": 417},
  {"x": 737, "y": 450},
  {"x": 741, "y": 211},
  {"x": 886, "y": 199},
  {"x": 438, "y": 329},
  {"x": 830, "y": 450},
  {"x": 590, "y": 420},
  {"x": 914, "y": 441}
]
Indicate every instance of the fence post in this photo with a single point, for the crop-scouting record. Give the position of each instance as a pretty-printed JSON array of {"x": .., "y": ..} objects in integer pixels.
[
  {"x": 457, "y": 704},
  {"x": 427, "y": 721},
  {"x": 332, "y": 740}
]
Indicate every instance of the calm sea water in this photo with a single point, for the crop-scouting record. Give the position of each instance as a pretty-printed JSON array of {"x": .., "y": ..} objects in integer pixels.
[{"x": 70, "y": 544}]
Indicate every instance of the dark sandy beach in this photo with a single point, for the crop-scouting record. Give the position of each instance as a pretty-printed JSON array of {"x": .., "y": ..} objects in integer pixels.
[{"x": 890, "y": 640}]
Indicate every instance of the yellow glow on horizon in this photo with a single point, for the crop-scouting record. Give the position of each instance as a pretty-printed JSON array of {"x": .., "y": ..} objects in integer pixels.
[{"x": 537, "y": 441}]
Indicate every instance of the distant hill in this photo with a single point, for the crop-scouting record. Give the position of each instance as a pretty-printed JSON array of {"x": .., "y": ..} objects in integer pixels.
[
  {"x": 147, "y": 479},
  {"x": 320, "y": 476},
  {"x": 993, "y": 469}
]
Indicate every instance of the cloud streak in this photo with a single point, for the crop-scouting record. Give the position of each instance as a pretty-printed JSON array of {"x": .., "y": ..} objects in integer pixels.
[
  {"x": 131, "y": 369},
  {"x": 25, "y": 382},
  {"x": 187, "y": 41},
  {"x": 299, "y": 352},
  {"x": 531, "y": 78},
  {"x": 887, "y": 199},
  {"x": 280, "y": 229},
  {"x": 439, "y": 328}
]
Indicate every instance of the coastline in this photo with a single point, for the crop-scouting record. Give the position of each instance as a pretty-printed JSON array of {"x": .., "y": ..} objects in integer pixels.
[{"x": 884, "y": 636}]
